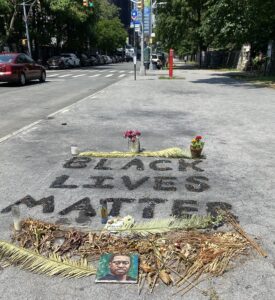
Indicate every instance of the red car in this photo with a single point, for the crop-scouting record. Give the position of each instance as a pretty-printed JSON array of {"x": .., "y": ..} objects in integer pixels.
[{"x": 20, "y": 68}]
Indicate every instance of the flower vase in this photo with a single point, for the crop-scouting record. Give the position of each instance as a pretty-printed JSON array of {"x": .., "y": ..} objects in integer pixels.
[
  {"x": 134, "y": 146},
  {"x": 195, "y": 152}
]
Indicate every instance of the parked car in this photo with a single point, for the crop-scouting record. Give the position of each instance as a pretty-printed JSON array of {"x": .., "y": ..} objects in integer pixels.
[
  {"x": 108, "y": 59},
  {"x": 57, "y": 62},
  {"x": 20, "y": 68},
  {"x": 71, "y": 59},
  {"x": 85, "y": 61},
  {"x": 94, "y": 60}
]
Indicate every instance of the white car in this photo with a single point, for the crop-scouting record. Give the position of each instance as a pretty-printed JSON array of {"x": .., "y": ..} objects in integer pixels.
[{"x": 70, "y": 59}]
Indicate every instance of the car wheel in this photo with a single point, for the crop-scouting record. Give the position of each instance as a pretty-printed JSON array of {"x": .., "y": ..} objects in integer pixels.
[
  {"x": 22, "y": 79},
  {"x": 42, "y": 76}
]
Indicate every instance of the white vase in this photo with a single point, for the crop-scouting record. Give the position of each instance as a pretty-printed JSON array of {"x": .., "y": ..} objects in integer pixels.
[{"x": 134, "y": 146}]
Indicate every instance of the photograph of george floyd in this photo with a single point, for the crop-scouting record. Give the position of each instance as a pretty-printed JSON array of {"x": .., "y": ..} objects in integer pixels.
[{"x": 117, "y": 268}]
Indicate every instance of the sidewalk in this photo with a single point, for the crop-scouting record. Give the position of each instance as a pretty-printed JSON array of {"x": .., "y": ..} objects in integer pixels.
[{"x": 236, "y": 120}]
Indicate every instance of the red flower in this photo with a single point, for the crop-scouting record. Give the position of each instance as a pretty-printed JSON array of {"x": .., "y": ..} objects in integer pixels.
[
  {"x": 198, "y": 137},
  {"x": 132, "y": 134}
]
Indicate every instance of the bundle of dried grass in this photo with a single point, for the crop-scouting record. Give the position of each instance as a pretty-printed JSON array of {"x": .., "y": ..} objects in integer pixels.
[{"x": 179, "y": 258}]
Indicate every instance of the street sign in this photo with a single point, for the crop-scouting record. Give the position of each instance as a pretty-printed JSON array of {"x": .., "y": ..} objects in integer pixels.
[{"x": 134, "y": 14}]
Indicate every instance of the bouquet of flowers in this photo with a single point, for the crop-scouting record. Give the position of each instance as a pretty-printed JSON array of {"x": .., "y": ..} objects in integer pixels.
[
  {"x": 196, "y": 146},
  {"x": 197, "y": 142},
  {"x": 133, "y": 140},
  {"x": 133, "y": 135}
]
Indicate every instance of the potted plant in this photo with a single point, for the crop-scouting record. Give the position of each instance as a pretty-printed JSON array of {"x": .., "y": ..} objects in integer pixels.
[
  {"x": 196, "y": 146},
  {"x": 133, "y": 140}
]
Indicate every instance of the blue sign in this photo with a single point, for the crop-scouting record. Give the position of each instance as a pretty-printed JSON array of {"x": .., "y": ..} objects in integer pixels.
[{"x": 134, "y": 14}]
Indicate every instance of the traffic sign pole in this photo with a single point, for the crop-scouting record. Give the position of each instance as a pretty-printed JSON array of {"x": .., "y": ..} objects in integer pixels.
[{"x": 142, "y": 68}]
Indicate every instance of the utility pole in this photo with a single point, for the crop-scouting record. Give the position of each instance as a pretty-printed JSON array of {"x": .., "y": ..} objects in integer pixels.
[
  {"x": 27, "y": 28},
  {"x": 142, "y": 68}
]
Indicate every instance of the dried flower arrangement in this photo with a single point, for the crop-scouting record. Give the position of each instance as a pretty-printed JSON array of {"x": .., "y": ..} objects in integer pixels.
[{"x": 170, "y": 250}]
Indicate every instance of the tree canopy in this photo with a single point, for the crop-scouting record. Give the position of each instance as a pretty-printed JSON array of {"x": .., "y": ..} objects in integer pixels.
[
  {"x": 62, "y": 23},
  {"x": 191, "y": 25}
]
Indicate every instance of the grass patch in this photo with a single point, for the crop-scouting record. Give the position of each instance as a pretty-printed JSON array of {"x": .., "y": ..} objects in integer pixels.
[
  {"x": 174, "y": 77},
  {"x": 268, "y": 81}
]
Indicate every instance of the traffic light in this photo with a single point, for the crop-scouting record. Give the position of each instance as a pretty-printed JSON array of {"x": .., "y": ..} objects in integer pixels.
[
  {"x": 85, "y": 3},
  {"x": 91, "y": 4},
  {"x": 24, "y": 42},
  {"x": 140, "y": 4}
]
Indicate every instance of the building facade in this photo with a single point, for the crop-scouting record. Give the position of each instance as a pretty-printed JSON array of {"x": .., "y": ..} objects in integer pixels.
[{"x": 125, "y": 11}]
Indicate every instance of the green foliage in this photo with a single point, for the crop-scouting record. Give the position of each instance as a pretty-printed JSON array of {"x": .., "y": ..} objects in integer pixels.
[
  {"x": 192, "y": 25},
  {"x": 110, "y": 34},
  {"x": 68, "y": 21}
]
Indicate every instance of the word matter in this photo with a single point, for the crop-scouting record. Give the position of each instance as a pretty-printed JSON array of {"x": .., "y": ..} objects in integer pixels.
[{"x": 146, "y": 206}]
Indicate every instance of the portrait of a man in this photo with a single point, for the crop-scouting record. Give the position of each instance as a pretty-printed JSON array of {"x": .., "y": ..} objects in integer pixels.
[{"x": 120, "y": 268}]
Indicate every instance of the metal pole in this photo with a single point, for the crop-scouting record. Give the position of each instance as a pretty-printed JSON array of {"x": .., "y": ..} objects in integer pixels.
[
  {"x": 150, "y": 34},
  {"x": 142, "y": 68},
  {"x": 27, "y": 28}
]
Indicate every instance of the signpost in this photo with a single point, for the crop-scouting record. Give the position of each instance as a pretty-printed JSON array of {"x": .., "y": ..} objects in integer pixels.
[{"x": 134, "y": 15}]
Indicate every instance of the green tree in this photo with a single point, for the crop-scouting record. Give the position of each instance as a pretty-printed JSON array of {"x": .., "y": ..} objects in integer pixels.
[
  {"x": 179, "y": 24},
  {"x": 231, "y": 23},
  {"x": 110, "y": 34}
]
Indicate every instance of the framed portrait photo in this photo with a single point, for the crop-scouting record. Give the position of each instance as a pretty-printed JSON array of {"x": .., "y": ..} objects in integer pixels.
[{"x": 117, "y": 268}]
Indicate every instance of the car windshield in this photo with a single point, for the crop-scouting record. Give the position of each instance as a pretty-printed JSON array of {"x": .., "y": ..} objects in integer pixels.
[{"x": 6, "y": 58}]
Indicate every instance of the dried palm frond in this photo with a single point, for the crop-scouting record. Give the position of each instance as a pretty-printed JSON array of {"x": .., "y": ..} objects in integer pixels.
[
  {"x": 52, "y": 265},
  {"x": 168, "y": 153},
  {"x": 166, "y": 225}
]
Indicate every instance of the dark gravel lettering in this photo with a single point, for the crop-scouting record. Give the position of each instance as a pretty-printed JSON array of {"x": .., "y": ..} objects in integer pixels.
[
  {"x": 47, "y": 204},
  {"x": 165, "y": 184},
  {"x": 148, "y": 211},
  {"x": 85, "y": 210},
  {"x": 58, "y": 183},
  {"x": 197, "y": 185},
  {"x": 99, "y": 180},
  {"x": 154, "y": 165}
]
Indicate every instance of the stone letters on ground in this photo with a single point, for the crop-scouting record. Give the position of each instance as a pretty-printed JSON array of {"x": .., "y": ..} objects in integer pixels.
[{"x": 145, "y": 206}]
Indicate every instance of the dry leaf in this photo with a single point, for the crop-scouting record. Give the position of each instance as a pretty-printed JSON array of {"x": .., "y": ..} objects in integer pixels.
[
  {"x": 165, "y": 277},
  {"x": 145, "y": 267}
]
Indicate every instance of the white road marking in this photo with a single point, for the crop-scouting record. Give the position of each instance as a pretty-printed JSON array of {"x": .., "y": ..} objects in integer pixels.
[
  {"x": 63, "y": 110},
  {"x": 112, "y": 71},
  {"x": 121, "y": 71},
  {"x": 80, "y": 75},
  {"x": 131, "y": 72},
  {"x": 66, "y": 75},
  {"x": 122, "y": 75},
  {"x": 96, "y": 75},
  {"x": 109, "y": 75},
  {"x": 19, "y": 131},
  {"x": 52, "y": 75}
]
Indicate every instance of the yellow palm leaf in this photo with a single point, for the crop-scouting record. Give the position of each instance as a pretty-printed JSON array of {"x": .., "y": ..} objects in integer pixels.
[
  {"x": 52, "y": 265},
  {"x": 168, "y": 153}
]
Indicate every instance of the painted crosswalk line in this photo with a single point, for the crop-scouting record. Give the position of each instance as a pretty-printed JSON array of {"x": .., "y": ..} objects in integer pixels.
[
  {"x": 122, "y": 75},
  {"x": 80, "y": 75},
  {"x": 96, "y": 75},
  {"x": 52, "y": 75},
  {"x": 109, "y": 75},
  {"x": 66, "y": 75}
]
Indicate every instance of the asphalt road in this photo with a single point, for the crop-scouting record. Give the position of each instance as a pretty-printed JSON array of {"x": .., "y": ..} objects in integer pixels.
[
  {"x": 22, "y": 106},
  {"x": 236, "y": 121}
]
